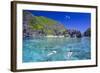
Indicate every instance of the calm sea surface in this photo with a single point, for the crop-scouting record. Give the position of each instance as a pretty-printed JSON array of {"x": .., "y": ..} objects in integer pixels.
[{"x": 56, "y": 49}]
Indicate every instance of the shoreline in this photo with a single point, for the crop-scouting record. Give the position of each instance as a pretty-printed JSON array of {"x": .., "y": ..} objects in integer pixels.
[{"x": 54, "y": 36}]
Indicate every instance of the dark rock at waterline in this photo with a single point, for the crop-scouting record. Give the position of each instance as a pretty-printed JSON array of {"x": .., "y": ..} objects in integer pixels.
[
  {"x": 74, "y": 33},
  {"x": 87, "y": 33}
]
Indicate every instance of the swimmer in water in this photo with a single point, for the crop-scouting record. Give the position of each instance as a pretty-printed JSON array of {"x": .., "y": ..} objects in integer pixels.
[{"x": 69, "y": 54}]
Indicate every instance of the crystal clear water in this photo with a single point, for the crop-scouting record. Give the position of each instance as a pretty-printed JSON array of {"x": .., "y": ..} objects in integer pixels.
[{"x": 56, "y": 49}]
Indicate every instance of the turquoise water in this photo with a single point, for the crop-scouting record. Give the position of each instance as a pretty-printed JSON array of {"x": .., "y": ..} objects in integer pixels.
[{"x": 56, "y": 49}]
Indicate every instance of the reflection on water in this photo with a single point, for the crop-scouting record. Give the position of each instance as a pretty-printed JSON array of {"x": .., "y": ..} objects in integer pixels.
[{"x": 56, "y": 49}]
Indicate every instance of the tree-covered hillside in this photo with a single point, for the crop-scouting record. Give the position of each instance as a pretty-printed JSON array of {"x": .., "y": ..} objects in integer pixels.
[{"x": 41, "y": 26}]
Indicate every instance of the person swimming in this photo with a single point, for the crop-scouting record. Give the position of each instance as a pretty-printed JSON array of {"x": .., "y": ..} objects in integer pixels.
[{"x": 69, "y": 54}]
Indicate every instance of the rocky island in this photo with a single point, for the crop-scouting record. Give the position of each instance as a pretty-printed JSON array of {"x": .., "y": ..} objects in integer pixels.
[{"x": 40, "y": 26}]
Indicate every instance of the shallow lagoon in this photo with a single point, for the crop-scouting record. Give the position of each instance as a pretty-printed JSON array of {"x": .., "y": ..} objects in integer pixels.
[{"x": 56, "y": 49}]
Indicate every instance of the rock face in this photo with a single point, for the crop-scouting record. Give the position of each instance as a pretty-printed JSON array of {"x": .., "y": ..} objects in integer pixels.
[
  {"x": 87, "y": 33},
  {"x": 27, "y": 32}
]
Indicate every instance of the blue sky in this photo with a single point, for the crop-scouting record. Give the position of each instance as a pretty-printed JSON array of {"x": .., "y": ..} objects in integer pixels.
[{"x": 71, "y": 20}]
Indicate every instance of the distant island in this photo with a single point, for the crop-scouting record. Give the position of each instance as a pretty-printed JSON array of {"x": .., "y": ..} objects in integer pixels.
[{"x": 41, "y": 26}]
